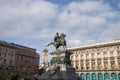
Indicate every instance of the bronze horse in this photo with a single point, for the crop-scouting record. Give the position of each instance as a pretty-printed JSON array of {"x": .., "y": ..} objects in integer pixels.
[{"x": 61, "y": 42}]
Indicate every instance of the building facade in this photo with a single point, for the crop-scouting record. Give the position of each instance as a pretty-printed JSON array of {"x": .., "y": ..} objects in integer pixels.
[
  {"x": 99, "y": 61},
  {"x": 7, "y": 57},
  {"x": 44, "y": 58},
  {"x": 37, "y": 62},
  {"x": 25, "y": 59},
  {"x": 20, "y": 58}
]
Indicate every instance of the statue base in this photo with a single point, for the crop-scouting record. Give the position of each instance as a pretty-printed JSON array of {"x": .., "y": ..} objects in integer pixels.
[{"x": 61, "y": 68}]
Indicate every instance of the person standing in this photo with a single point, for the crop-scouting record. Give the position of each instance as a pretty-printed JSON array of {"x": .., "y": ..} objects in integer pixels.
[{"x": 56, "y": 38}]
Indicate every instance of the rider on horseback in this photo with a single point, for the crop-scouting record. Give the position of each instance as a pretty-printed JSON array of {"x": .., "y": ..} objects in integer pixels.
[{"x": 57, "y": 38}]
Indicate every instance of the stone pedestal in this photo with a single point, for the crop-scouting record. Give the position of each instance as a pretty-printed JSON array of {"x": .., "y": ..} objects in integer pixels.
[
  {"x": 60, "y": 58},
  {"x": 60, "y": 68}
]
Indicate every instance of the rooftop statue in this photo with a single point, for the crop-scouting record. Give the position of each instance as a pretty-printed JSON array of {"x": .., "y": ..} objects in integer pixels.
[{"x": 59, "y": 40}]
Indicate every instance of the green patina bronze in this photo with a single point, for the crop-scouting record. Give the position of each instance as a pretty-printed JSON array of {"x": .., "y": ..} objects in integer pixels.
[
  {"x": 64, "y": 59},
  {"x": 59, "y": 40},
  {"x": 60, "y": 68}
]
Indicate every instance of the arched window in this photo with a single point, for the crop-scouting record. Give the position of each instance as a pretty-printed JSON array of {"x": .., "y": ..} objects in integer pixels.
[
  {"x": 82, "y": 56},
  {"x": 87, "y": 66},
  {"x": 99, "y": 66},
  {"x": 87, "y": 56},
  {"x": 77, "y": 66},
  {"x": 98, "y": 55},
  {"x": 93, "y": 66},
  {"x": 77, "y": 57},
  {"x": 106, "y": 65},
  {"x": 88, "y": 76},
  {"x": 82, "y": 76},
  {"x": 100, "y": 76},
  {"x": 119, "y": 65},
  {"x": 113, "y": 65},
  {"x": 106, "y": 76},
  {"x": 114, "y": 76},
  {"x": 105, "y": 54},
  {"x": 92, "y": 55},
  {"x": 93, "y": 76},
  {"x": 111, "y": 53}
]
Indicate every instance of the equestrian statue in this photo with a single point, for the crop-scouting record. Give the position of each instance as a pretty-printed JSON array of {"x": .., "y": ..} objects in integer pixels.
[{"x": 59, "y": 40}]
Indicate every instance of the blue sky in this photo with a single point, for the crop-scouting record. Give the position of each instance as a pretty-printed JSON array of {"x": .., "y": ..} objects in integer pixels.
[{"x": 33, "y": 23}]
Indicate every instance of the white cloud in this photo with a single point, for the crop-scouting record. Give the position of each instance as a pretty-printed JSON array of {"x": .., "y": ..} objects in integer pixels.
[
  {"x": 87, "y": 21},
  {"x": 112, "y": 32},
  {"x": 26, "y": 19},
  {"x": 82, "y": 21},
  {"x": 88, "y": 7}
]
